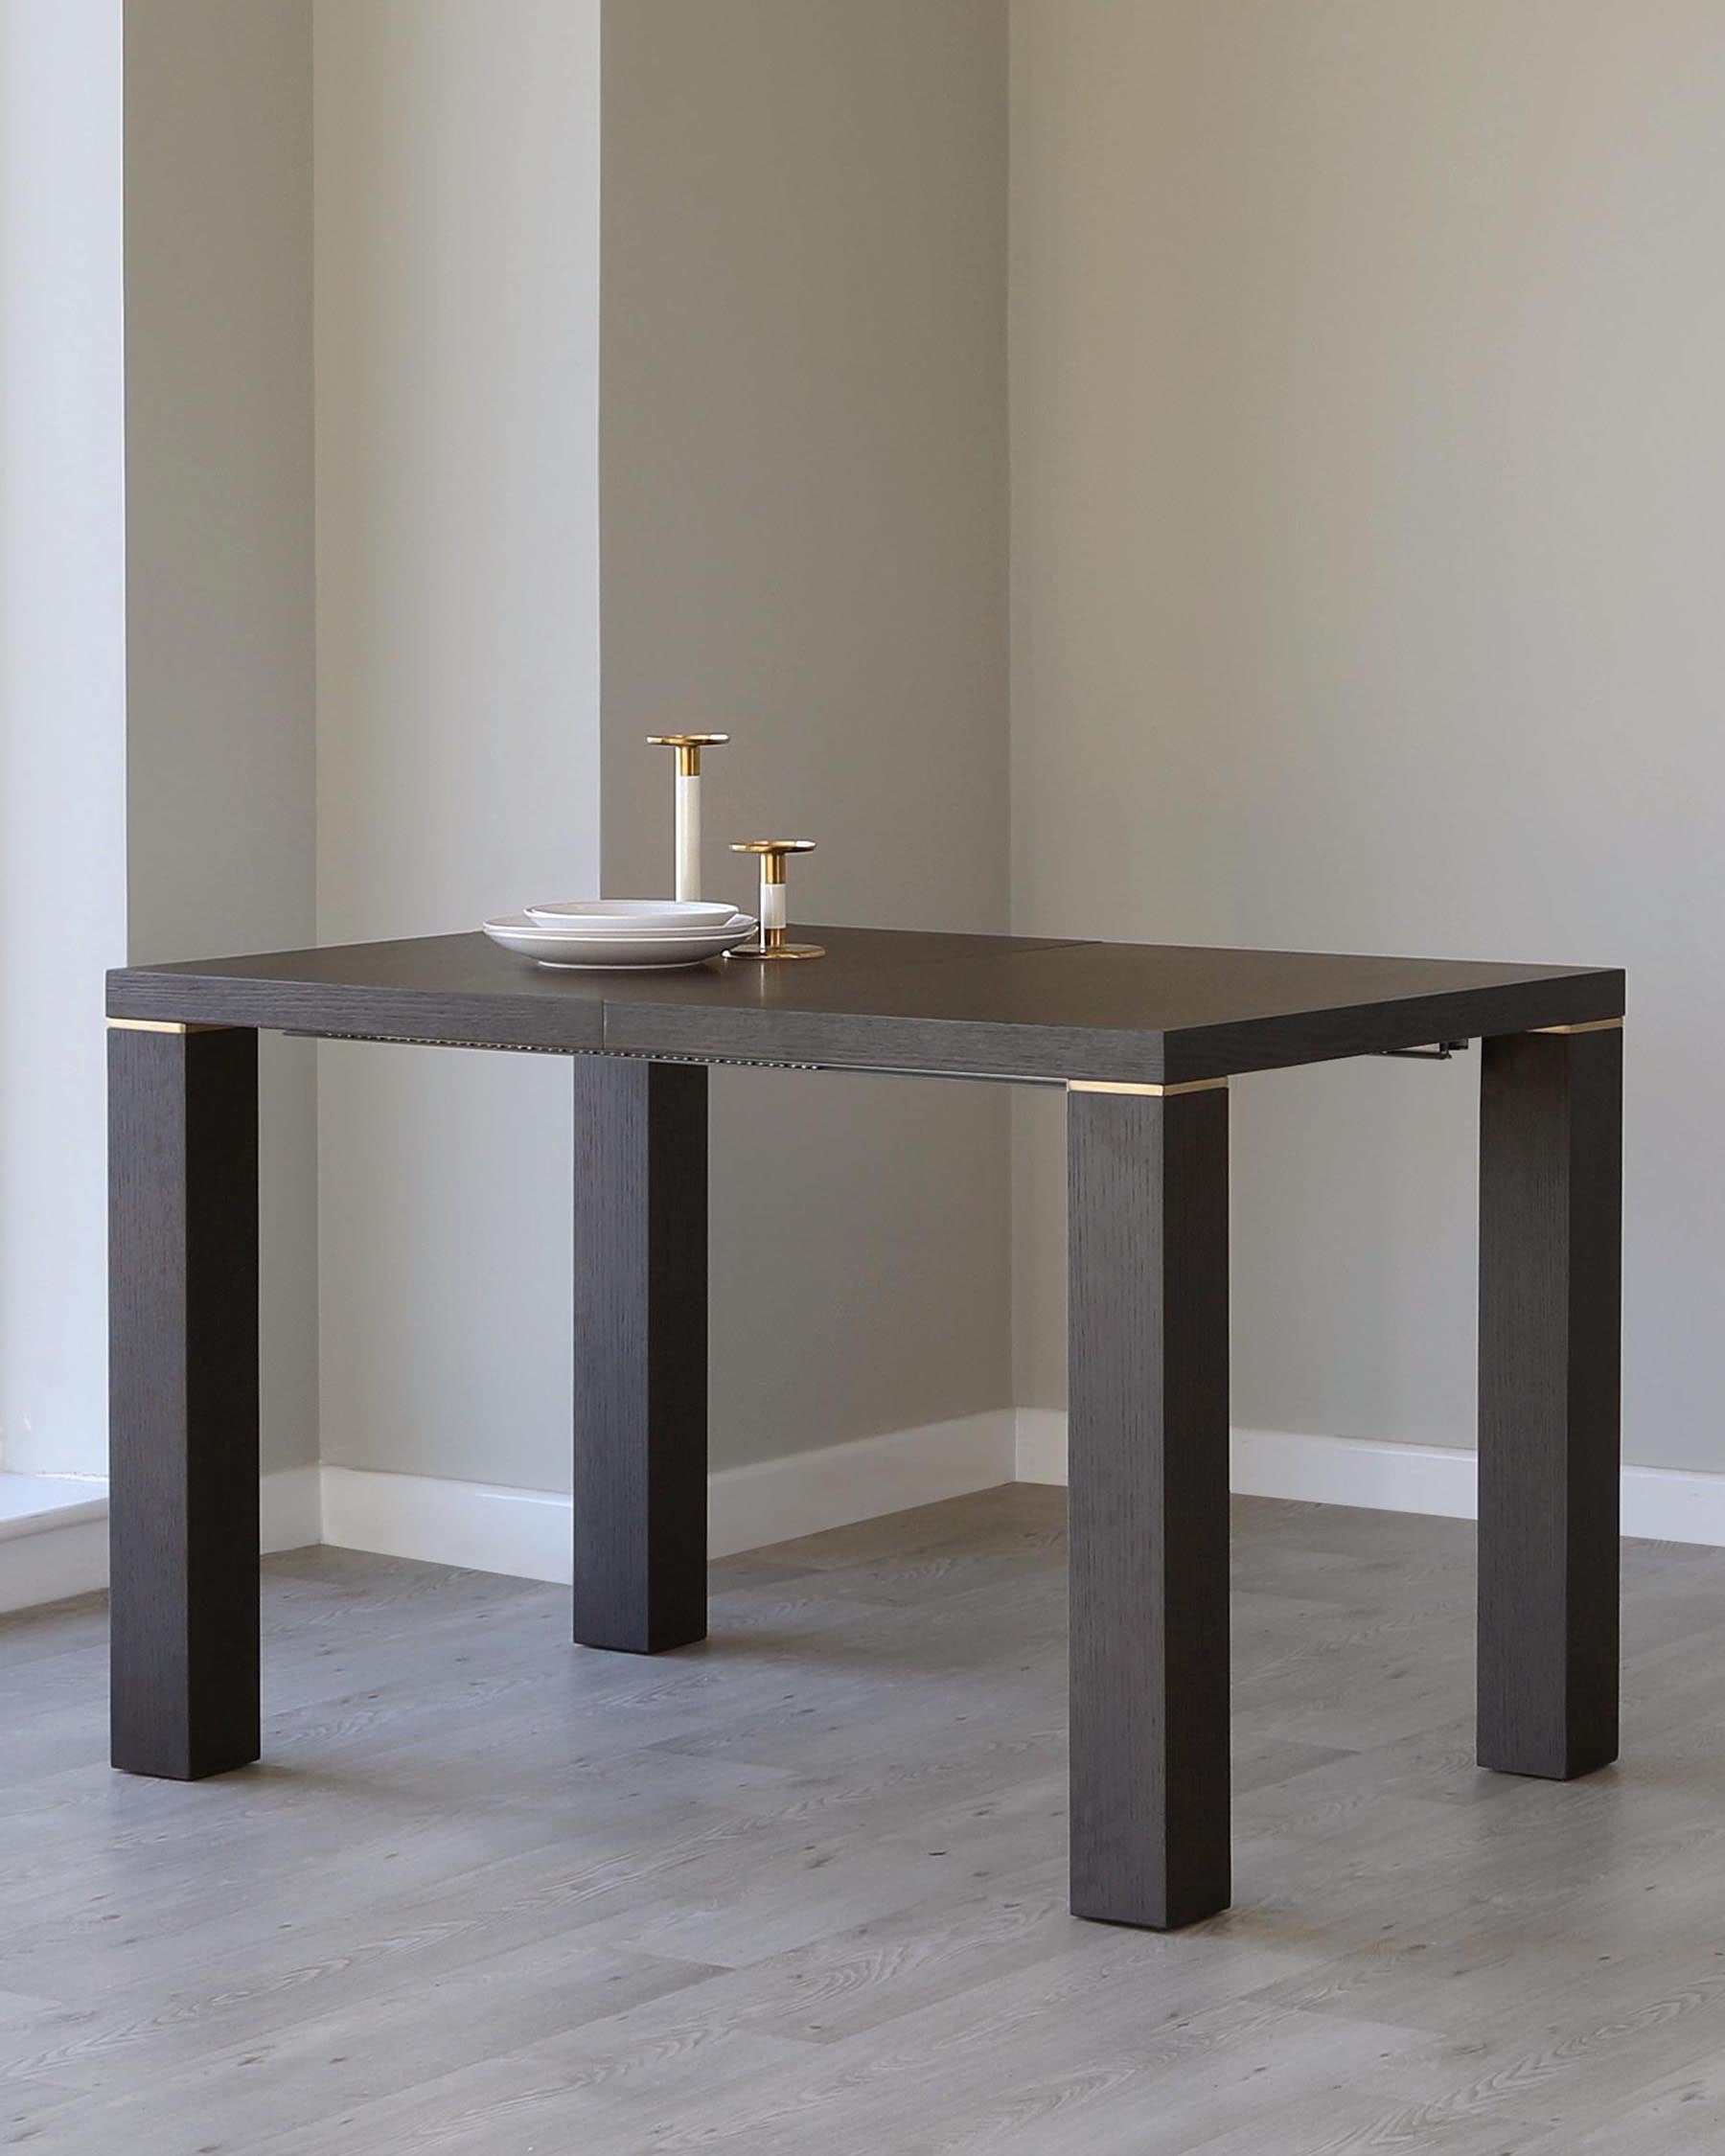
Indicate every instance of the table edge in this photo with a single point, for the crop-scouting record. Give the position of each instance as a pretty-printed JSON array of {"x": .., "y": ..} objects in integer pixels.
[{"x": 844, "y": 1041}]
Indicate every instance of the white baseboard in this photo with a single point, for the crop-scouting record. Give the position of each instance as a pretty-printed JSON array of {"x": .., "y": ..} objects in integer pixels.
[
  {"x": 778, "y": 1500},
  {"x": 290, "y": 1509},
  {"x": 57, "y": 1546},
  {"x": 51, "y": 1557},
  {"x": 1276, "y": 1463},
  {"x": 1668, "y": 1505},
  {"x": 53, "y": 1564},
  {"x": 480, "y": 1526},
  {"x": 1040, "y": 1453},
  {"x": 485, "y": 1527},
  {"x": 53, "y": 1538},
  {"x": 1659, "y": 1504},
  {"x": 47, "y": 1555}
]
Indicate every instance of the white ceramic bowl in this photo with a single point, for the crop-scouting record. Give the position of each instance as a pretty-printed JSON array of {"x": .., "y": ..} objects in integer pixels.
[
  {"x": 622, "y": 916},
  {"x": 621, "y": 937},
  {"x": 577, "y": 948},
  {"x": 523, "y": 924}
]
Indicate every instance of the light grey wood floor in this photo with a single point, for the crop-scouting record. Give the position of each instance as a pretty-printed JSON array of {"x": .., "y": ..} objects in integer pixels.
[{"x": 802, "y": 1889}]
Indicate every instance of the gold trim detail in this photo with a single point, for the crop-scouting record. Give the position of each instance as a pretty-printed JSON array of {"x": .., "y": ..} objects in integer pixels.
[
  {"x": 772, "y": 853},
  {"x": 161, "y": 1025},
  {"x": 779, "y": 949},
  {"x": 1156, "y": 1092},
  {"x": 1593, "y": 1025},
  {"x": 688, "y": 747}
]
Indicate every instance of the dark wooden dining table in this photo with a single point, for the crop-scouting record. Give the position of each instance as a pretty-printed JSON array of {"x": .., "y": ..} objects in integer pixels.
[{"x": 1143, "y": 1038}]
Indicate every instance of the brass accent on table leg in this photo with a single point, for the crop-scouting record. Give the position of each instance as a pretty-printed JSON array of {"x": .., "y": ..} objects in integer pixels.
[
  {"x": 1592, "y": 1025},
  {"x": 163, "y": 1026},
  {"x": 1155, "y": 1092}
]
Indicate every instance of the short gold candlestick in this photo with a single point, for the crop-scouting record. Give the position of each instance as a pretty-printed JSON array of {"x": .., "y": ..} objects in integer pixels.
[
  {"x": 773, "y": 941},
  {"x": 688, "y": 747}
]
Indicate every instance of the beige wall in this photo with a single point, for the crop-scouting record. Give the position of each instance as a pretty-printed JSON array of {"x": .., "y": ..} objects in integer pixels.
[
  {"x": 457, "y": 692},
  {"x": 804, "y": 532},
  {"x": 1365, "y": 453},
  {"x": 1368, "y": 446},
  {"x": 219, "y": 790},
  {"x": 853, "y": 532}
]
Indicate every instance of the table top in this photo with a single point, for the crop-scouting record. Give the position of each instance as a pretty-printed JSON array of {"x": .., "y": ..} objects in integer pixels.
[{"x": 889, "y": 998}]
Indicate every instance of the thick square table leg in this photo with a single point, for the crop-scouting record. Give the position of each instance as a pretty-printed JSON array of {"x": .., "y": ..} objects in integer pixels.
[
  {"x": 1148, "y": 1503},
  {"x": 1551, "y": 1209},
  {"x": 640, "y": 1353},
  {"x": 183, "y": 1384}
]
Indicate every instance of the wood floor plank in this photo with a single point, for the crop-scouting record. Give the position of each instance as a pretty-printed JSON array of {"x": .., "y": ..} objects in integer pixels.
[{"x": 802, "y": 1887}]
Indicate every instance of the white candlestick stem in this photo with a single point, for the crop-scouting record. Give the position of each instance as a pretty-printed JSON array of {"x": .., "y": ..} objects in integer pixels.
[{"x": 688, "y": 835}]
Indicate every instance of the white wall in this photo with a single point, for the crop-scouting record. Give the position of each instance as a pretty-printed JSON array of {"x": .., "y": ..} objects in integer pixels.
[
  {"x": 219, "y": 640},
  {"x": 804, "y": 527},
  {"x": 457, "y": 692},
  {"x": 63, "y": 802},
  {"x": 1369, "y": 448}
]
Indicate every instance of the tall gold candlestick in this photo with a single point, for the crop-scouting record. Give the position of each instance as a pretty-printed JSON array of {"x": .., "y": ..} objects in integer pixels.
[{"x": 688, "y": 747}]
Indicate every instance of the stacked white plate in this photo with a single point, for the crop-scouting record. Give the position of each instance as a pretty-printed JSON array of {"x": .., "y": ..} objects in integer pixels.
[{"x": 632, "y": 932}]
